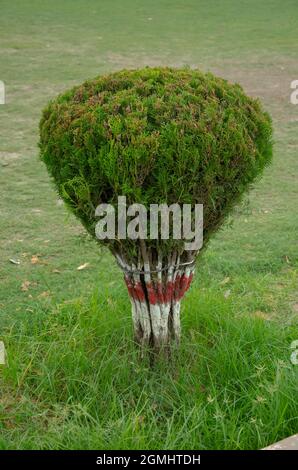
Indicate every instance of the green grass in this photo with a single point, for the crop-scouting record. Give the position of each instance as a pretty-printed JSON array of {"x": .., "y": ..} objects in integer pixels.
[
  {"x": 74, "y": 378},
  {"x": 76, "y": 381}
]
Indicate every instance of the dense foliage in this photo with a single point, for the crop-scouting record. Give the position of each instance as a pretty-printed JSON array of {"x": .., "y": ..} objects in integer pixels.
[{"x": 155, "y": 135}]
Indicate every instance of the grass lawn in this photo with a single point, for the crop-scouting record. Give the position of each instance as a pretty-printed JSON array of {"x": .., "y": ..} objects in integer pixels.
[{"x": 73, "y": 378}]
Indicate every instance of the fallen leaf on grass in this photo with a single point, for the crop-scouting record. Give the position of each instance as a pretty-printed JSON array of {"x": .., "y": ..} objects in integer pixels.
[
  {"x": 9, "y": 423},
  {"x": 83, "y": 266},
  {"x": 260, "y": 400},
  {"x": 56, "y": 271},
  {"x": 25, "y": 286},
  {"x": 44, "y": 294},
  {"x": 225, "y": 281},
  {"x": 260, "y": 314},
  {"x": 227, "y": 293},
  {"x": 35, "y": 259}
]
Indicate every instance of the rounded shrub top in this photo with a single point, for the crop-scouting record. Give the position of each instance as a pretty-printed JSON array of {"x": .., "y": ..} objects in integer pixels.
[{"x": 156, "y": 135}]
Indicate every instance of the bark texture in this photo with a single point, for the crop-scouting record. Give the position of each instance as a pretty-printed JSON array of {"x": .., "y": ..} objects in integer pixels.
[{"x": 155, "y": 291}]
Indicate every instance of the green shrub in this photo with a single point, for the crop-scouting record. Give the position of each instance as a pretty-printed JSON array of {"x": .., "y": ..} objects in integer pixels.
[{"x": 155, "y": 135}]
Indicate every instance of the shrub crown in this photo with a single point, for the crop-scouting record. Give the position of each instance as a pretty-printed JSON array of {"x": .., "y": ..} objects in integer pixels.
[{"x": 156, "y": 135}]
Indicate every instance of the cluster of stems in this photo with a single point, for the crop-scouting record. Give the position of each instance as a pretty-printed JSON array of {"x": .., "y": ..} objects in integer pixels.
[{"x": 156, "y": 284}]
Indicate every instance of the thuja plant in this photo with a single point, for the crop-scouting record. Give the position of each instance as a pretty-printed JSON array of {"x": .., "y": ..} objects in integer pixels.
[{"x": 156, "y": 136}]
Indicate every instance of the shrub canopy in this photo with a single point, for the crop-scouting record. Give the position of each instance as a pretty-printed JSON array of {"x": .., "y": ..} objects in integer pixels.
[{"x": 156, "y": 135}]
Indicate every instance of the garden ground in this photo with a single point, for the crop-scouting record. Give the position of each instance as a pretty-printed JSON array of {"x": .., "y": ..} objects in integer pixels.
[{"x": 73, "y": 377}]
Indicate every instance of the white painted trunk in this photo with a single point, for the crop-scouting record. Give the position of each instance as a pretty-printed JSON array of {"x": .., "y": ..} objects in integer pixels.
[
  {"x": 156, "y": 325},
  {"x": 155, "y": 293}
]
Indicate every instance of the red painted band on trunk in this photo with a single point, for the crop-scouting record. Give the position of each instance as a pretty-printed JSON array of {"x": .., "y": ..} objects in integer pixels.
[
  {"x": 168, "y": 292},
  {"x": 139, "y": 292},
  {"x": 152, "y": 297},
  {"x": 159, "y": 293},
  {"x": 129, "y": 286}
]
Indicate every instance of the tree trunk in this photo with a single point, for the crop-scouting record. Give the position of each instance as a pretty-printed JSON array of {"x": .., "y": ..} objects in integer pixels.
[{"x": 155, "y": 293}]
